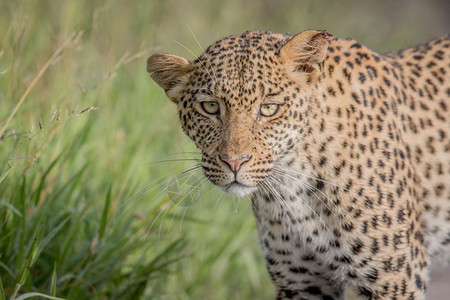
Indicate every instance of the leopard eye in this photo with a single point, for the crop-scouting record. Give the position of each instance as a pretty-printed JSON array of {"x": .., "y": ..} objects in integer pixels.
[
  {"x": 268, "y": 110},
  {"x": 210, "y": 107}
]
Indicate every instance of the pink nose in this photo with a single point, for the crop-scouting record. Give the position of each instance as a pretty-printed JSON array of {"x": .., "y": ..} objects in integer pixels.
[{"x": 235, "y": 164}]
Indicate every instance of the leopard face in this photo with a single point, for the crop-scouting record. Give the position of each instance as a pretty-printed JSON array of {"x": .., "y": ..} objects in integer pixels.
[{"x": 237, "y": 106}]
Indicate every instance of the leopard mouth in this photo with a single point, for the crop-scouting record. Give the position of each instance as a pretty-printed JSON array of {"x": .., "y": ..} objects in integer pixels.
[{"x": 238, "y": 189}]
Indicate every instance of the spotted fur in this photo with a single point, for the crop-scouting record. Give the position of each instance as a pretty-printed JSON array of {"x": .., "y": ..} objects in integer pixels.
[{"x": 350, "y": 177}]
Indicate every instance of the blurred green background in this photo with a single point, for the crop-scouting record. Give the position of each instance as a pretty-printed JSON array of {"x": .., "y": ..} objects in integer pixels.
[{"x": 99, "y": 194}]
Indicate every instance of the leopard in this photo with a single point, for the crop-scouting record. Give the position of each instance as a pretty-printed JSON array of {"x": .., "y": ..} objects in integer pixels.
[{"x": 343, "y": 152}]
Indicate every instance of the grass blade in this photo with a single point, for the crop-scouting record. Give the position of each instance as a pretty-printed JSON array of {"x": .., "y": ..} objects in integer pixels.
[
  {"x": 51, "y": 235},
  {"x": 53, "y": 282},
  {"x": 11, "y": 207},
  {"x": 76, "y": 223},
  {"x": 5, "y": 174},
  {"x": 37, "y": 195},
  {"x": 21, "y": 199},
  {"x": 104, "y": 219},
  {"x": 2, "y": 292},
  {"x": 31, "y": 295},
  {"x": 135, "y": 282},
  {"x": 30, "y": 259}
]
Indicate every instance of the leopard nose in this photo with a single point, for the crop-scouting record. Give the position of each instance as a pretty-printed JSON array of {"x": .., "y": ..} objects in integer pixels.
[{"x": 235, "y": 164}]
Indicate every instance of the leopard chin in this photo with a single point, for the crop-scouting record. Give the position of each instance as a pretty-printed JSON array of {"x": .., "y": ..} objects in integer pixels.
[{"x": 237, "y": 189}]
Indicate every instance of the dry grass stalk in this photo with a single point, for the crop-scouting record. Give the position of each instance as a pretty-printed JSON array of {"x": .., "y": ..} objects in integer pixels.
[{"x": 72, "y": 40}]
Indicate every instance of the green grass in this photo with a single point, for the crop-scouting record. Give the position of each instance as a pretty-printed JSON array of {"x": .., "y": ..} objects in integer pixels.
[{"x": 94, "y": 203}]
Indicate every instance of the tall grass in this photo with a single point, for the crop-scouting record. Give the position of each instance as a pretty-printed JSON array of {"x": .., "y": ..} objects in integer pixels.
[{"x": 96, "y": 197}]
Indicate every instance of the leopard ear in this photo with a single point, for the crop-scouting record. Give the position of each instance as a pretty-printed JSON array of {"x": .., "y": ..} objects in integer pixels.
[
  {"x": 170, "y": 72},
  {"x": 303, "y": 55}
]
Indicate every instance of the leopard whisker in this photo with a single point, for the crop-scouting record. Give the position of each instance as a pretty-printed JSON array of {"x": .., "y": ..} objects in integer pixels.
[
  {"x": 295, "y": 172},
  {"x": 236, "y": 202},
  {"x": 203, "y": 50},
  {"x": 251, "y": 203},
  {"x": 183, "y": 153},
  {"x": 304, "y": 202},
  {"x": 325, "y": 181},
  {"x": 192, "y": 200},
  {"x": 141, "y": 193},
  {"x": 186, "y": 191},
  {"x": 188, "y": 155},
  {"x": 219, "y": 199},
  {"x": 278, "y": 196},
  {"x": 174, "y": 160},
  {"x": 182, "y": 176},
  {"x": 279, "y": 172},
  {"x": 203, "y": 65}
]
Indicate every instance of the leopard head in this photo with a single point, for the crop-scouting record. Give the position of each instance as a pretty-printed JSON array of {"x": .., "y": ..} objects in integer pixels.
[{"x": 244, "y": 102}]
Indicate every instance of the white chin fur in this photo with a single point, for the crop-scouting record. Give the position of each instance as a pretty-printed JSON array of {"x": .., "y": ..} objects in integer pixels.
[{"x": 238, "y": 190}]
